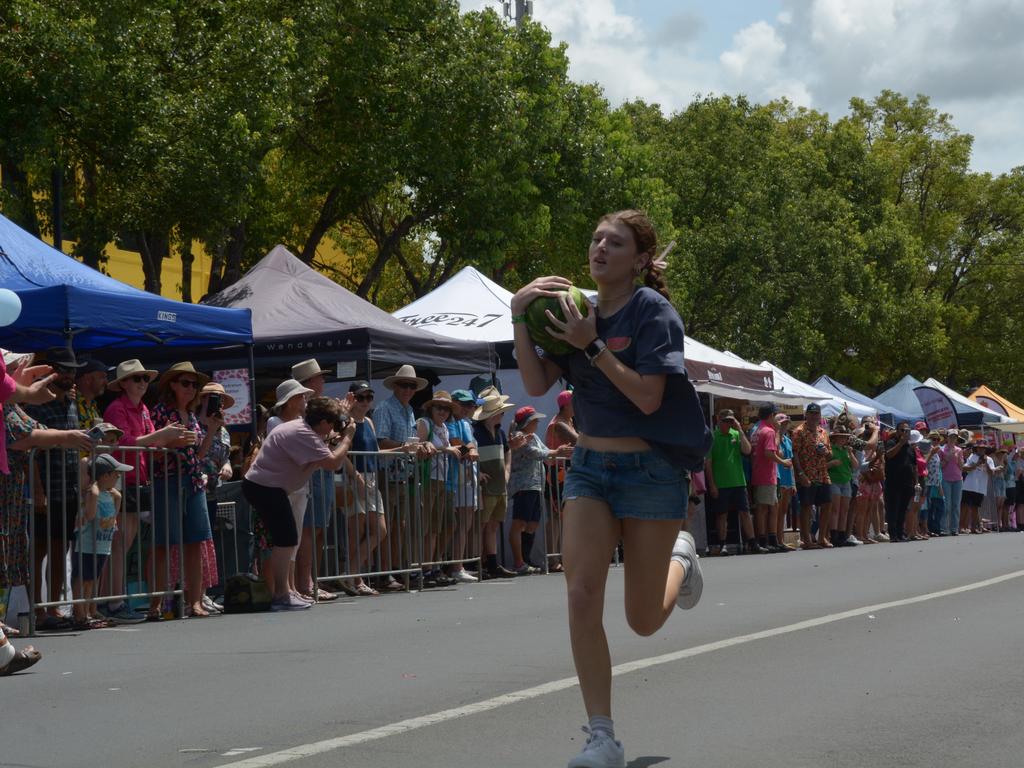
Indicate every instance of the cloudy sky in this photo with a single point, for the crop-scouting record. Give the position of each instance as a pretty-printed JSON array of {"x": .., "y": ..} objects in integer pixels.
[{"x": 966, "y": 55}]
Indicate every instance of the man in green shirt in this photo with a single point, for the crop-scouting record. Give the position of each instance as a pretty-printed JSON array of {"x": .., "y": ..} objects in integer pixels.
[{"x": 727, "y": 483}]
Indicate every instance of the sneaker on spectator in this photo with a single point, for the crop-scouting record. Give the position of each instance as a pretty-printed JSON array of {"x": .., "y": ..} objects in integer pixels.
[
  {"x": 462, "y": 576},
  {"x": 290, "y": 603},
  {"x": 211, "y": 606},
  {"x": 882, "y": 537},
  {"x": 524, "y": 570},
  {"x": 123, "y": 614},
  {"x": 853, "y": 541},
  {"x": 600, "y": 751}
]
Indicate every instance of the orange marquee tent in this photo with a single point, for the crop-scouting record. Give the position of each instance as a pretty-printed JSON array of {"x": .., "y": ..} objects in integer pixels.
[{"x": 986, "y": 397}]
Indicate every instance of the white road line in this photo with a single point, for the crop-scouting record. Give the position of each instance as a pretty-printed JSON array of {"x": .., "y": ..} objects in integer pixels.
[{"x": 304, "y": 751}]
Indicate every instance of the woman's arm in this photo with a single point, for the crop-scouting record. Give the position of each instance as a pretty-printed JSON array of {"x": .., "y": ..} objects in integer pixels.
[{"x": 538, "y": 373}]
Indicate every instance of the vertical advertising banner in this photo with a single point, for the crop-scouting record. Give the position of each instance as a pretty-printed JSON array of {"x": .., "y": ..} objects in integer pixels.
[
  {"x": 236, "y": 383},
  {"x": 938, "y": 409}
]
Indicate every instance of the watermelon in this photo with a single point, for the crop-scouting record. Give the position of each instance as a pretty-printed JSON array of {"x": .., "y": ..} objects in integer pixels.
[{"x": 537, "y": 321}]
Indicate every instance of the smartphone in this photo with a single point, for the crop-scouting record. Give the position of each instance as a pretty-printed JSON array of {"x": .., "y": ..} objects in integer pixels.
[
  {"x": 95, "y": 434},
  {"x": 213, "y": 403}
]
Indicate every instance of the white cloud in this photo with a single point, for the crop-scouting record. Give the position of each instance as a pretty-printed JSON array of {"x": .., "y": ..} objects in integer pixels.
[{"x": 966, "y": 56}]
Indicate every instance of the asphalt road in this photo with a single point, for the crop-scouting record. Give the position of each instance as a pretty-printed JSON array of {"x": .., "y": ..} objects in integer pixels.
[{"x": 789, "y": 660}]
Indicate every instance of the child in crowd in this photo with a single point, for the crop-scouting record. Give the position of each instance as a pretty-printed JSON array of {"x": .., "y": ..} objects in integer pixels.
[
  {"x": 94, "y": 536},
  {"x": 525, "y": 486}
]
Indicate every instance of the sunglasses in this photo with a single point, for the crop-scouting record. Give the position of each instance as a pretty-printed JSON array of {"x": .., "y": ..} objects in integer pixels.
[
  {"x": 188, "y": 383},
  {"x": 442, "y": 407},
  {"x": 138, "y": 379},
  {"x": 363, "y": 398},
  {"x": 405, "y": 385}
]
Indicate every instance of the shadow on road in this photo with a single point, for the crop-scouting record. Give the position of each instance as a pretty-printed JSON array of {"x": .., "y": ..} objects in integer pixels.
[{"x": 646, "y": 762}]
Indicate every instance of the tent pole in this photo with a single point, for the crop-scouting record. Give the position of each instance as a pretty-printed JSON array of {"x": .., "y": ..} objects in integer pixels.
[{"x": 254, "y": 425}]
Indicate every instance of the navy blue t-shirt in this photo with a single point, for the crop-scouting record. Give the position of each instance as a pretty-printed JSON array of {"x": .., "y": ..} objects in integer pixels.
[{"x": 647, "y": 336}]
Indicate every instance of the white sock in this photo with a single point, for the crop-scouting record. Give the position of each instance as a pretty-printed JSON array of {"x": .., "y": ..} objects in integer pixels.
[
  {"x": 602, "y": 723},
  {"x": 7, "y": 655}
]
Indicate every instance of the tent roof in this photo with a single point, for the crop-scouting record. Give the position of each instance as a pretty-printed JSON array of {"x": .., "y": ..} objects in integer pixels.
[
  {"x": 989, "y": 398},
  {"x": 965, "y": 406},
  {"x": 901, "y": 397},
  {"x": 296, "y": 311},
  {"x": 468, "y": 305},
  {"x": 830, "y": 404},
  {"x": 62, "y": 298},
  {"x": 828, "y": 384}
]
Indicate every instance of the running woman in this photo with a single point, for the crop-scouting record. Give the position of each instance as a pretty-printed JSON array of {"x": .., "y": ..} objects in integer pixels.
[{"x": 640, "y": 429}]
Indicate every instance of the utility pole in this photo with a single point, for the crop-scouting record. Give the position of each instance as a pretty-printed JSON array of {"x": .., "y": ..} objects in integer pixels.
[{"x": 523, "y": 10}]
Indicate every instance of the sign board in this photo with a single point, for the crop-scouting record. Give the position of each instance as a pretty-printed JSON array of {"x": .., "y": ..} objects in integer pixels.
[
  {"x": 236, "y": 383},
  {"x": 938, "y": 409},
  {"x": 345, "y": 370},
  {"x": 992, "y": 405}
]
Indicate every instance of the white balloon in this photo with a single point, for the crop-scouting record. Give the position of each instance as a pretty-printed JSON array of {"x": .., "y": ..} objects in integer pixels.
[{"x": 10, "y": 306}]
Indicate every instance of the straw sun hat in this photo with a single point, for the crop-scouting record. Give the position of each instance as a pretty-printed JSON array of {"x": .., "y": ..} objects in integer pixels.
[
  {"x": 492, "y": 406},
  {"x": 130, "y": 368}
]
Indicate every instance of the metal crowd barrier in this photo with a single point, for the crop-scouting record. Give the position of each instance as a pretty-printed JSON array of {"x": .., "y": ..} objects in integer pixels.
[{"x": 59, "y": 565}]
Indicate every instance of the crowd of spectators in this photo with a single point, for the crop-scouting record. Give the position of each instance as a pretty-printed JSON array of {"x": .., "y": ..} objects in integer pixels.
[{"x": 152, "y": 460}]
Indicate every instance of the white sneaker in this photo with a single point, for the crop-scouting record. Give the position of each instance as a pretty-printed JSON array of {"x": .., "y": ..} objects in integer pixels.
[
  {"x": 851, "y": 539},
  {"x": 464, "y": 577},
  {"x": 600, "y": 751},
  {"x": 882, "y": 537},
  {"x": 693, "y": 585}
]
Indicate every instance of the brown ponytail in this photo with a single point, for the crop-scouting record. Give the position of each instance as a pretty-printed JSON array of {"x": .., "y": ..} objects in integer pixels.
[{"x": 646, "y": 240}]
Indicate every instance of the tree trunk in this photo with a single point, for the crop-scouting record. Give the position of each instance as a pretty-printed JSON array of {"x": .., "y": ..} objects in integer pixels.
[
  {"x": 15, "y": 182},
  {"x": 328, "y": 218},
  {"x": 187, "y": 259},
  {"x": 233, "y": 256},
  {"x": 152, "y": 248},
  {"x": 217, "y": 267},
  {"x": 386, "y": 247},
  {"x": 90, "y": 245}
]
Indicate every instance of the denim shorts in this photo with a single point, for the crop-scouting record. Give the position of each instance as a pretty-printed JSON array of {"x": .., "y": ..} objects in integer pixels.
[
  {"x": 642, "y": 486},
  {"x": 841, "y": 489}
]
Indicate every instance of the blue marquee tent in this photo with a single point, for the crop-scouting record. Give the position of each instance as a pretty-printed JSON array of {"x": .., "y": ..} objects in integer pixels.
[
  {"x": 64, "y": 301},
  {"x": 886, "y": 413},
  {"x": 900, "y": 397}
]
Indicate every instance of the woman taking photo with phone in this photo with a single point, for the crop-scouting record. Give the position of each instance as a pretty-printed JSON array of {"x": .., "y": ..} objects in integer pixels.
[{"x": 640, "y": 427}]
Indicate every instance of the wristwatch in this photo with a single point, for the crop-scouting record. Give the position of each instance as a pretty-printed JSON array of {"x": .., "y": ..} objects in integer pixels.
[{"x": 594, "y": 348}]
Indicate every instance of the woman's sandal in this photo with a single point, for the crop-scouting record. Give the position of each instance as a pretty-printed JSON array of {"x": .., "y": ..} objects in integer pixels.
[
  {"x": 9, "y": 631},
  {"x": 22, "y": 660},
  {"x": 323, "y": 596},
  {"x": 556, "y": 568},
  {"x": 364, "y": 589}
]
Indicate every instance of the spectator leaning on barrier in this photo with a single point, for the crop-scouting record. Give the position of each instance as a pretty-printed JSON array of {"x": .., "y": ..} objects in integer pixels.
[
  {"x": 812, "y": 451},
  {"x": 129, "y": 414},
  {"x": 495, "y": 466},
  {"x": 727, "y": 483},
  {"x": 179, "y": 483},
  {"x": 363, "y": 506},
  {"x": 1010, "y": 486},
  {"x": 787, "y": 482},
  {"x": 395, "y": 421},
  {"x": 463, "y": 480},
  {"x": 90, "y": 383},
  {"x": 320, "y": 503},
  {"x": 526, "y": 487},
  {"x": 31, "y": 385},
  {"x": 288, "y": 457},
  {"x": 438, "y": 512},
  {"x": 290, "y": 406},
  {"x": 57, "y": 482}
]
